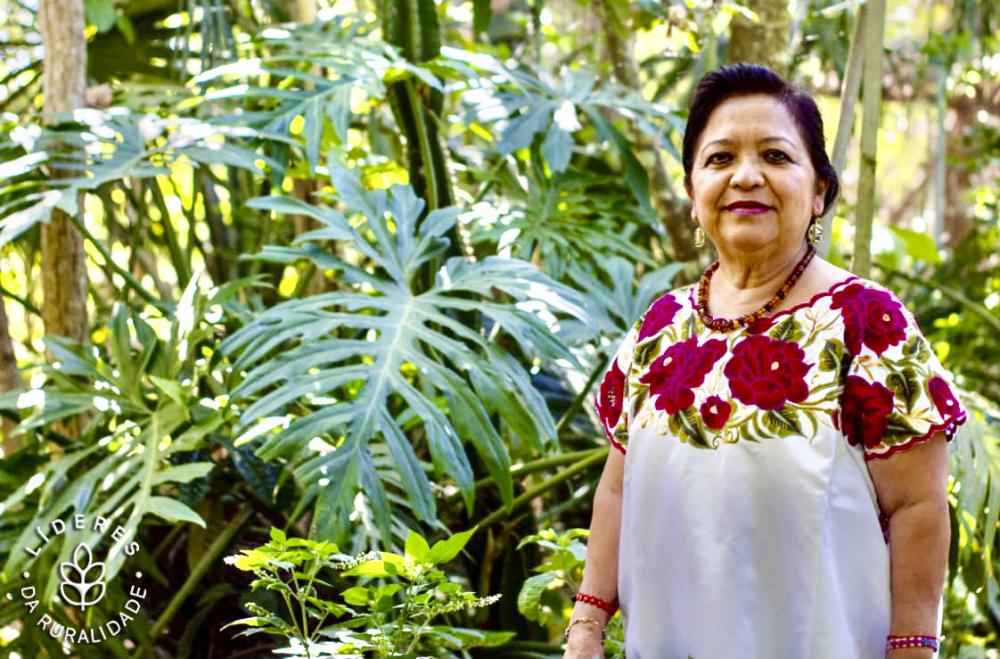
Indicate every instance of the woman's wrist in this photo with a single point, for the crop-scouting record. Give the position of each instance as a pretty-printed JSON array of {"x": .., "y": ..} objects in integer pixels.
[
  {"x": 910, "y": 653},
  {"x": 584, "y": 628},
  {"x": 582, "y": 609},
  {"x": 911, "y": 646}
]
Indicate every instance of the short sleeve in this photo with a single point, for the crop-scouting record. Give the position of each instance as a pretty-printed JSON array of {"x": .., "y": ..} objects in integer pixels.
[
  {"x": 896, "y": 394},
  {"x": 614, "y": 392}
]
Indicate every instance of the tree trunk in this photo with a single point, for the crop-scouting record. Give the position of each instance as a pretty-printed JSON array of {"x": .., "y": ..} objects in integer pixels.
[
  {"x": 64, "y": 275},
  {"x": 10, "y": 380},
  {"x": 672, "y": 211},
  {"x": 765, "y": 41}
]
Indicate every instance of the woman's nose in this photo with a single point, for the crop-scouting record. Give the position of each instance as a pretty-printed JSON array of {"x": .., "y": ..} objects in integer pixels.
[{"x": 747, "y": 174}]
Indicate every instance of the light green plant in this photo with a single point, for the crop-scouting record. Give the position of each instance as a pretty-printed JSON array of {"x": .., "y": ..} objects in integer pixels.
[
  {"x": 546, "y": 597},
  {"x": 377, "y": 604}
]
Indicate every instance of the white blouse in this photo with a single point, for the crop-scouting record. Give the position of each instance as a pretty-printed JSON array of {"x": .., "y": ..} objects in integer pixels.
[{"x": 750, "y": 525}]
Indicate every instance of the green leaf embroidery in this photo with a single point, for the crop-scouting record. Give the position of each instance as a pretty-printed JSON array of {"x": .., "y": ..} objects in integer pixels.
[
  {"x": 746, "y": 432},
  {"x": 690, "y": 329},
  {"x": 916, "y": 347},
  {"x": 898, "y": 430},
  {"x": 784, "y": 422},
  {"x": 789, "y": 330},
  {"x": 905, "y": 386},
  {"x": 646, "y": 352},
  {"x": 831, "y": 355},
  {"x": 686, "y": 424},
  {"x": 639, "y": 395}
]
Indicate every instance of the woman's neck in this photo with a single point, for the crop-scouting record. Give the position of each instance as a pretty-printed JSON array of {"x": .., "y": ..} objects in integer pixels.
[{"x": 741, "y": 285}]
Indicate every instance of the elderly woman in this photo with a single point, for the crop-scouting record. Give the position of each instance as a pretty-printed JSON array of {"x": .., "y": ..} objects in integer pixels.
[{"x": 777, "y": 488}]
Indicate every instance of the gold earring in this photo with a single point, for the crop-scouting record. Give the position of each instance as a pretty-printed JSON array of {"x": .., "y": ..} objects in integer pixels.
[
  {"x": 815, "y": 232},
  {"x": 699, "y": 237}
]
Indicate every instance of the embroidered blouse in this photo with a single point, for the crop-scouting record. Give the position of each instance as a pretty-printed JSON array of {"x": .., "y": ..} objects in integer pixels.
[{"x": 750, "y": 525}]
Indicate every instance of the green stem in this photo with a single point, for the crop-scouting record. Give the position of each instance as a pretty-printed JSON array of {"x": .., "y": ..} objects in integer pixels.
[
  {"x": 302, "y": 609},
  {"x": 577, "y": 403},
  {"x": 597, "y": 456},
  {"x": 425, "y": 144},
  {"x": 208, "y": 558},
  {"x": 181, "y": 264},
  {"x": 540, "y": 465},
  {"x": 124, "y": 274},
  {"x": 23, "y": 301}
]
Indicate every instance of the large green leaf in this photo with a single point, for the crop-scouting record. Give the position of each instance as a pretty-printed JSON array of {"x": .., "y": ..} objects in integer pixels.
[
  {"x": 357, "y": 365},
  {"x": 141, "y": 388}
]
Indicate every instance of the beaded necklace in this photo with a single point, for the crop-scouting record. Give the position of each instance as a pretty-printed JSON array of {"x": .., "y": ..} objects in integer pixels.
[{"x": 729, "y": 324}]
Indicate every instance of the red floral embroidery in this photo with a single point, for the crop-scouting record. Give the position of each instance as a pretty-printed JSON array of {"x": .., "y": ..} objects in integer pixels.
[
  {"x": 715, "y": 412},
  {"x": 659, "y": 316},
  {"x": 871, "y": 317},
  {"x": 609, "y": 398},
  {"x": 760, "y": 325},
  {"x": 767, "y": 372},
  {"x": 682, "y": 367},
  {"x": 944, "y": 400},
  {"x": 865, "y": 409}
]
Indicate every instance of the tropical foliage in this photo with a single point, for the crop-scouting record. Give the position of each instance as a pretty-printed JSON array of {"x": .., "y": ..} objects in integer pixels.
[{"x": 351, "y": 275}]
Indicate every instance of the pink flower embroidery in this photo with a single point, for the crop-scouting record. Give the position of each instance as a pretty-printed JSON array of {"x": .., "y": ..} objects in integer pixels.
[
  {"x": 715, "y": 412},
  {"x": 865, "y": 409},
  {"x": 679, "y": 370},
  {"x": 767, "y": 372},
  {"x": 943, "y": 398},
  {"x": 871, "y": 317},
  {"x": 609, "y": 398},
  {"x": 659, "y": 316}
]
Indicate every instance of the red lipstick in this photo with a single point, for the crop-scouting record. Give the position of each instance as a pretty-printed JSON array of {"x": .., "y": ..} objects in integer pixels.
[{"x": 747, "y": 208}]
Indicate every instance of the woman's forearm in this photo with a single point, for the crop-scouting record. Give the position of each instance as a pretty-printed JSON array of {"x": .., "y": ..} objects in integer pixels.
[
  {"x": 600, "y": 575},
  {"x": 919, "y": 536}
]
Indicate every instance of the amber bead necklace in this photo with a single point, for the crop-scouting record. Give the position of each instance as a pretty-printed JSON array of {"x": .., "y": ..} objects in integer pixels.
[{"x": 729, "y": 324}]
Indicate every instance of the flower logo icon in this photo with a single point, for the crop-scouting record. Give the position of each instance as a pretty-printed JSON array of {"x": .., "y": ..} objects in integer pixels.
[{"x": 82, "y": 582}]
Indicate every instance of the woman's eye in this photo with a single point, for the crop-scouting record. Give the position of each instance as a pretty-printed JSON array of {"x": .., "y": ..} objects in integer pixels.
[
  {"x": 717, "y": 158},
  {"x": 776, "y": 156}
]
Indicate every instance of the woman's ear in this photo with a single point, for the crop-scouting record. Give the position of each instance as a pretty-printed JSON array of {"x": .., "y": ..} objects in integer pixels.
[{"x": 819, "y": 200}]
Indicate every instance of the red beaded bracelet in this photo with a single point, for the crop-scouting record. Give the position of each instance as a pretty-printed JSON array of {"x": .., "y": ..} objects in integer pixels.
[
  {"x": 609, "y": 607},
  {"x": 900, "y": 642}
]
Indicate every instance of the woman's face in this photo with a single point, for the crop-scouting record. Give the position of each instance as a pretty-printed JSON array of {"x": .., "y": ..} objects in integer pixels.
[{"x": 752, "y": 184}]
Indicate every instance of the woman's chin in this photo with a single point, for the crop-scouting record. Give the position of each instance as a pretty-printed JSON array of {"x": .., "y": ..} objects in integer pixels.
[{"x": 750, "y": 242}]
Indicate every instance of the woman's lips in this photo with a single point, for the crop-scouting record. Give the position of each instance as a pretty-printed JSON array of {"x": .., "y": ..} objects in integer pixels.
[{"x": 747, "y": 209}]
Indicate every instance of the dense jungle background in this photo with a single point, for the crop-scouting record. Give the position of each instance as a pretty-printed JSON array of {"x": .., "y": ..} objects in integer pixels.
[{"x": 289, "y": 282}]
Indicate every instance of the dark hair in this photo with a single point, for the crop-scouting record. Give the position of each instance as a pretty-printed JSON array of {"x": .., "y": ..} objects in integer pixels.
[{"x": 745, "y": 79}]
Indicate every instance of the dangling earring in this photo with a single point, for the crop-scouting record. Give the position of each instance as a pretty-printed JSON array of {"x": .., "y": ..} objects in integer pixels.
[
  {"x": 815, "y": 232},
  {"x": 699, "y": 238}
]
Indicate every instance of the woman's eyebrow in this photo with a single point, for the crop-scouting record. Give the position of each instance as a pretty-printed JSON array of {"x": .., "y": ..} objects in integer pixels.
[
  {"x": 775, "y": 138},
  {"x": 728, "y": 142}
]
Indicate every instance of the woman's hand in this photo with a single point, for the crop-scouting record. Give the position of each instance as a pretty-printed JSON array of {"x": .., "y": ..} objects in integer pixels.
[{"x": 585, "y": 642}]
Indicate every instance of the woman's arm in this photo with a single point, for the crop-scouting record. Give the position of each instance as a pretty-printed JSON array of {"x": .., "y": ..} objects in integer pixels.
[
  {"x": 912, "y": 491},
  {"x": 600, "y": 573}
]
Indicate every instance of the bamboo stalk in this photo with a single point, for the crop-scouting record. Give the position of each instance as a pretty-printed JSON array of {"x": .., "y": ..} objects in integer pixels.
[
  {"x": 848, "y": 99},
  {"x": 871, "y": 112},
  {"x": 940, "y": 159}
]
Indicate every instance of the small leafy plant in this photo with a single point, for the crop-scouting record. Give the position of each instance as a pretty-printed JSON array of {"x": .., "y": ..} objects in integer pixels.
[
  {"x": 546, "y": 598},
  {"x": 381, "y": 604}
]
